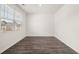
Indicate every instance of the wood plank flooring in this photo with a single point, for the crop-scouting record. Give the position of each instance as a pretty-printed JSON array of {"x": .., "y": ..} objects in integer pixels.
[{"x": 40, "y": 45}]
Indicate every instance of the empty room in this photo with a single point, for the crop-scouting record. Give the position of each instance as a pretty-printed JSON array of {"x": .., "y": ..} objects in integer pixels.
[{"x": 39, "y": 28}]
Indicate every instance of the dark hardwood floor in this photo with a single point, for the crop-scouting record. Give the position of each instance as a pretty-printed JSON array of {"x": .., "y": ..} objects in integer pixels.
[{"x": 40, "y": 45}]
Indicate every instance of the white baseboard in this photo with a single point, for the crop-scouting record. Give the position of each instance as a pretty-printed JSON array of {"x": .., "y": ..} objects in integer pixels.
[
  {"x": 3, "y": 49},
  {"x": 61, "y": 39}
]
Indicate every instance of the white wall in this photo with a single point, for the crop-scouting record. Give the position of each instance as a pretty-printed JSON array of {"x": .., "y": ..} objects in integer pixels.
[
  {"x": 67, "y": 25},
  {"x": 7, "y": 39},
  {"x": 64, "y": 25},
  {"x": 40, "y": 25}
]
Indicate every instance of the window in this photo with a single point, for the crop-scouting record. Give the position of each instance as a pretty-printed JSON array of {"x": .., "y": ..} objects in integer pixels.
[
  {"x": 10, "y": 19},
  {"x": 18, "y": 20}
]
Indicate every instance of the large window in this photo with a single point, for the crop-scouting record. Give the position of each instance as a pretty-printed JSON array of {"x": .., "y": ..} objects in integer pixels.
[{"x": 10, "y": 18}]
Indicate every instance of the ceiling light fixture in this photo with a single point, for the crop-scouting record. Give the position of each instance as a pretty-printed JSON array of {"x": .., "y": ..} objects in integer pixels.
[{"x": 40, "y": 5}]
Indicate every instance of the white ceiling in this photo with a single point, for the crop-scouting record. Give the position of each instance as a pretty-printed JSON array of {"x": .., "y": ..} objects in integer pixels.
[{"x": 44, "y": 8}]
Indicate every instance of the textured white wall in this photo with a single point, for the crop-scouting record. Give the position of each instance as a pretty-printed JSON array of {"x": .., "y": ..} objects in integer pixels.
[
  {"x": 7, "y": 39},
  {"x": 67, "y": 25},
  {"x": 40, "y": 25}
]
